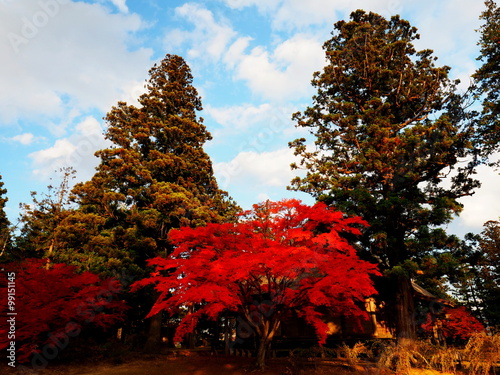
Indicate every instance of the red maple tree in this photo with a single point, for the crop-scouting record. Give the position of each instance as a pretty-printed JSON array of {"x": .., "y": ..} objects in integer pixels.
[
  {"x": 46, "y": 307},
  {"x": 280, "y": 257},
  {"x": 454, "y": 323}
]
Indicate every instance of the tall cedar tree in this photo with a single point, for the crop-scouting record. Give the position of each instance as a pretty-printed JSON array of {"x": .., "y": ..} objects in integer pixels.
[
  {"x": 388, "y": 130},
  {"x": 487, "y": 77},
  {"x": 156, "y": 175},
  {"x": 4, "y": 221},
  {"x": 280, "y": 257},
  {"x": 479, "y": 282}
]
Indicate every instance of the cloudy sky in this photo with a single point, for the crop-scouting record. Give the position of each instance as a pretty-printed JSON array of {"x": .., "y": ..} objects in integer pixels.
[{"x": 65, "y": 63}]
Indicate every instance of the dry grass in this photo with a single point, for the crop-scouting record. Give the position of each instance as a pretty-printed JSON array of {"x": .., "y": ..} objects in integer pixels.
[
  {"x": 352, "y": 355},
  {"x": 480, "y": 356},
  {"x": 482, "y": 353},
  {"x": 404, "y": 356},
  {"x": 445, "y": 359}
]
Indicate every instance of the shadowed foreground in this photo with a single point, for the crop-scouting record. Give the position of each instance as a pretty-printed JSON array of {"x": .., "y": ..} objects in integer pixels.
[{"x": 198, "y": 365}]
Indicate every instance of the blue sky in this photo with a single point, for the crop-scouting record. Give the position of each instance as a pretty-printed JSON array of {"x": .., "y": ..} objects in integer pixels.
[{"x": 66, "y": 63}]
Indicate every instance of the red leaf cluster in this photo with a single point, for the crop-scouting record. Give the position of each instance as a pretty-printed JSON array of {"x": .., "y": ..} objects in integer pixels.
[
  {"x": 455, "y": 323},
  {"x": 293, "y": 256},
  {"x": 49, "y": 301}
]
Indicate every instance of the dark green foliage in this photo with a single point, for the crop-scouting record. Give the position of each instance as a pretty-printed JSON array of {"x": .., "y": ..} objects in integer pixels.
[
  {"x": 490, "y": 272},
  {"x": 388, "y": 130},
  {"x": 156, "y": 175},
  {"x": 487, "y": 78},
  {"x": 478, "y": 283},
  {"x": 41, "y": 220},
  {"x": 4, "y": 221}
]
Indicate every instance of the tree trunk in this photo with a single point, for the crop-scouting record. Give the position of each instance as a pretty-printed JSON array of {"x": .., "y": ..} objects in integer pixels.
[
  {"x": 190, "y": 340},
  {"x": 262, "y": 351},
  {"x": 405, "y": 310},
  {"x": 153, "y": 341},
  {"x": 226, "y": 337}
]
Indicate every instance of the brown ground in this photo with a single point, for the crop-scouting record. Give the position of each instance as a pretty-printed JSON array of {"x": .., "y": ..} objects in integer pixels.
[
  {"x": 207, "y": 365},
  {"x": 196, "y": 365}
]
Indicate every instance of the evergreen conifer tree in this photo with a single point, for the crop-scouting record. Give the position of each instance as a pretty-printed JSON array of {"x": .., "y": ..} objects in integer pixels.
[
  {"x": 4, "y": 221},
  {"x": 388, "y": 129},
  {"x": 487, "y": 79},
  {"x": 156, "y": 175}
]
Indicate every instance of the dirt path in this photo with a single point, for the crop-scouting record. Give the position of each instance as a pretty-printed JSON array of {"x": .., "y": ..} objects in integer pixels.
[
  {"x": 205, "y": 365},
  {"x": 196, "y": 365},
  {"x": 178, "y": 366}
]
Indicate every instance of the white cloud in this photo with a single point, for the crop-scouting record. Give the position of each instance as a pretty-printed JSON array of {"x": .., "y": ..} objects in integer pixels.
[
  {"x": 236, "y": 51},
  {"x": 257, "y": 170},
  {"x": 250, "y": 129},
  {"x": 445, "y": 26},
  {"x": 75, "y": 151},
  {"x": 24, "y": 139},
  {"x": 262, "y": 197},
  {"x": 484, "y": 205},
  {"x": 121, "y": 5},
  {"x": 299, "y": 14},
  {"x": 448, "y": 28},
  {"x": 257, "y": 177},
  {"x": 243, "y": 116},
  {"x": 280, "y": 74},
  {"x": 59, "y": 54},
  {"x": 264, "y": 6},
  {"x": 285, "y": 73},
  {"x": 54, "y": 156},
  {"x": 209, "y": 38}
]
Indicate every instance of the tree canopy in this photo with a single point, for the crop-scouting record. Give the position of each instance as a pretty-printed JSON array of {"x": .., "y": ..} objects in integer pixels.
[
  {"x": 278, "y": 258},
  {"x": 478, "y": 283},
  {"x": 4, "y": 221},
  {"x": 155, "y": 176},
  {"x": 455, "y": 324},
  {"x": 489, "y": 273},
  {"x": 389, "y": 130},
  {"x": 53, "y": 305},
  {"x": 487, "y": 78}
]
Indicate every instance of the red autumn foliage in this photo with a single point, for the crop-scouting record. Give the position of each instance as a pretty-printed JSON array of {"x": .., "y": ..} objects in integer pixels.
[
  {"x": 456, "y": 323},
  {"x": 280, "y": 257},
  {"x": 46, "y": 303}
]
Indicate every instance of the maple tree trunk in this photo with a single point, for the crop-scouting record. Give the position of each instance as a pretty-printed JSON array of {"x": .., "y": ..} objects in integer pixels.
[
  {"x": 262, "y": 351},
  {"x": 153, "y": 341},
  {"x": 226, "y": 337},
  {"x": 405, "y": 310}
]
